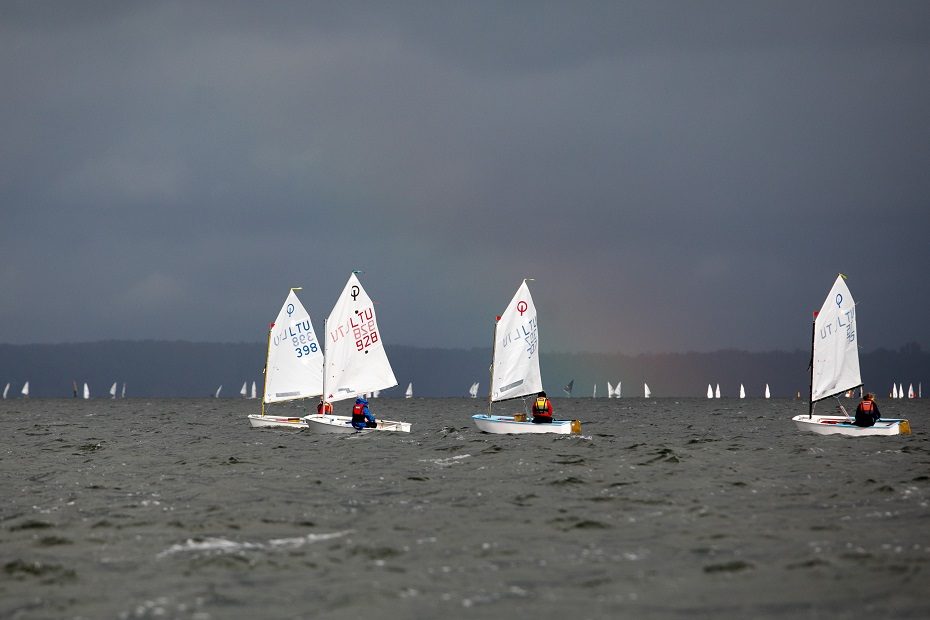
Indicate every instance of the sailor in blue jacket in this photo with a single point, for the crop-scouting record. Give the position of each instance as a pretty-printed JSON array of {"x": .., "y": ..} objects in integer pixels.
[{"x": 362, "y": 417}]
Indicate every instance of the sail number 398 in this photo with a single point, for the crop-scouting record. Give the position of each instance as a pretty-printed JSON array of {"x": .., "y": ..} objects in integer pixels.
[{"x": 304, "y": 349}]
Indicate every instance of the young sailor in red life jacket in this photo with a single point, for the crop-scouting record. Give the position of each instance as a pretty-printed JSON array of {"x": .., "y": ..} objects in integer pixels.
[
  {"x": 542, "y": 409},
  {"x": 361, "y": 416},
  {"x": 867, "y": 412},
  {"x": 324, "y": 408}
]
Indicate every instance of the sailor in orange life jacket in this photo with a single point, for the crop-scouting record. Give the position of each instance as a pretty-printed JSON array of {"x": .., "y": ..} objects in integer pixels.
[
  {"x": 361, "y": 416},
  {"x": 867, "y": 412},
  {"x": 542, "y": 409},
  {"x": 324, "y": 408}
]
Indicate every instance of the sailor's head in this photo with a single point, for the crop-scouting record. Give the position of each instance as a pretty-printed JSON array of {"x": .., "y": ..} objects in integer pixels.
[
  {"x": 870, "y": 396},
  {"x": 542, "y": 394},
  {"x": 361, "y": 401}
]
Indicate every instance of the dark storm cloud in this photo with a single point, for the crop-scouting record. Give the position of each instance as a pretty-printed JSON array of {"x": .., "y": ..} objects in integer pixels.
[{"x": 675, "y": 175}]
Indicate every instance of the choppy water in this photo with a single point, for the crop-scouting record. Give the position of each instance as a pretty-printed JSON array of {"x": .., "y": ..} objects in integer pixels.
[{"x": 663, "y": 508}]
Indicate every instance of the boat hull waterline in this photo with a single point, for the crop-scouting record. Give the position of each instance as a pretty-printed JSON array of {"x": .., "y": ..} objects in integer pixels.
[
  {"x": 342, "y": 424},
  {"x": 508, "y": 425},
  {"x": 841, "y": 425},
  {"x": 276, "y": 421}
]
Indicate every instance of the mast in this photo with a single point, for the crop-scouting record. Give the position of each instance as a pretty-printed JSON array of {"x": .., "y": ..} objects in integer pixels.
[
  {"x": 491, "y": 368},
  {"x": 810, "y": 392},
  {"x": 323, "y": 350},
  {"x": 265, "y": 370}
]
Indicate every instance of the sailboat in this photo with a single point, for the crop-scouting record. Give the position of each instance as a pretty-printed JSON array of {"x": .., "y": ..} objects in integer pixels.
[
  {"x": 900, "y": 390},
  {"x": 113, "y": 391},
  {"x": 717, "y": 391},
  {"x": 245, "y": 390},
  {"x": 218, "y": 390},
  {"x": 646, "y": 391},
  {"x": 568, "y": 388},
  {"x": 25, "y": 390},
  {"x": 6, "y": 390},
  {"x": 293, "y": 364},
  {"x": 594, "y": 395},
  {"x": 835, "y": 368},
  {"x": 768, "y": 393},
  {"x": 710, "y": 391},
  {"x": 86, "y": 392},
  {"x": 254, "y": 393},
  {"x": 409, "y": 392},
  {"x": 354, "y": 360},
  {"x": 742, "y": 391},
  {"x": 610, "y": 390},
  {"x": 122, "y": 393},
  {"x": 515, "y": 370},
  {"x": 617, "y": 393},
  {"x": 910, "y": 391},
  {"x": 473, "y": 390},
  {"x": 894, "y": 391}
]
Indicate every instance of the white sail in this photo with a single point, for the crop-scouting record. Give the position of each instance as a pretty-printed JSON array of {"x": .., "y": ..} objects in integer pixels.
[
  {"x": 245, "y": 389},
  {"x": 894, "y": 390},
  {"x": 355, "y": 360},
  {"x": 594, "y": 395},
  {"x": 610, "y": 390},
  {"x": 86, "y": 391},
  {"x": 295, "y": 358},
  {"x": 617, "y": 390},
  {"x": 710, "y": 391},
  {"x": 515, "y": 368},
  {"x": 473, "y": 390},
  {"x": 217, "y": 395},
  {"x": 6, "y": 390},
  {"x": 25, "y": 390},
  {"x": 836, "y": 345},
  {"x": 900, "y": 390},
  {"x": 113, "y": 390},
  {"x": 409, "y": 392},
  {"x": 768, "y": 393},
  {"x": 646, "y": 392},
  {"x": 717, "y": 391},
  {"x": 254, "y": 393},
  {"x": 910, "y": 391},
  {"x": 122, "y": 393},
  {"x": 742, "y": 391}
]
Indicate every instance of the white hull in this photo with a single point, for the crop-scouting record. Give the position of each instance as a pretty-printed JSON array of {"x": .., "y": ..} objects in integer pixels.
[
  {"x": 275, "y": 421},
  {"x": 342, "y": 424},
  {"x": 840, "y": 425},
  {"x": 506, "y": 425}
]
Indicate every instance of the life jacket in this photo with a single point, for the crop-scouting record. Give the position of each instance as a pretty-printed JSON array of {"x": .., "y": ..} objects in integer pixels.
[
  {"x": 324, "y": 408},
  {"x": 541, "y": 407},
  {"x": 358, "y": 412},
  {"x": 867, "y": 406}
]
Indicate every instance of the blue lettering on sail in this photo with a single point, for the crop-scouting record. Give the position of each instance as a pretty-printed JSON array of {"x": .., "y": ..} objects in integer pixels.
[{"x": 527, "y": 332}]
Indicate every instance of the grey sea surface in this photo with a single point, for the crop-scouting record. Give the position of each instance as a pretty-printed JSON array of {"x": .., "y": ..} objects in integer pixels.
[{"x": 662, "y": 508}]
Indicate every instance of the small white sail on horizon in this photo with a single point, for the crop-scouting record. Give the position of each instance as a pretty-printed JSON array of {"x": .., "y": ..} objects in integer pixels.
[
  {"x": 122, "y": 393},
  {"x": 25, "y": 390},
  {"x": 409, "y": 392},
  {"x": 594, "y": 395},
  {"x": 742, "y": 391},
  {"x": 473, "y": 390},
  {"x": 610, "y": 390},
  {"x": 254, "y": 393},
  {"x": 113, "y": 391},
  {"x": 717, "y": 391},
  {"x": 900, "y": 390},
  {"x": 910, "y": 391},
  {"x": 710, "y": 391},
  {"x": 617, "y": 393},
  {"x": 646, "y": 392},
  {"x": 768, "y": 393},
  {"x": 244, "y": 391},
  {"x": 6, "y": 390},
  {"x": 86, "y": 391},
  {"x": 894, "y": 391},
  {"x": 217, "y": 394}
]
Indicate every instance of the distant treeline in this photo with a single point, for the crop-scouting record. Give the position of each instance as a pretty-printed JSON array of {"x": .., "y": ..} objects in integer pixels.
[{"x": 196, "y": 369}]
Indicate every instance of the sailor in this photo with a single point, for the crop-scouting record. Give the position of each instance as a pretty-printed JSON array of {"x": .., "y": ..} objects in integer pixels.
[
  {"x": 542, "y": 409},
  {"x": 362, "y": 417},
  {"x": 324, "y": 408},
  {"x": 867, "y": 412}
]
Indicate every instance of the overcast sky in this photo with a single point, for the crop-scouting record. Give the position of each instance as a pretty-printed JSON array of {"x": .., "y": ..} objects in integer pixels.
[{"x": 675, "y": 175}]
